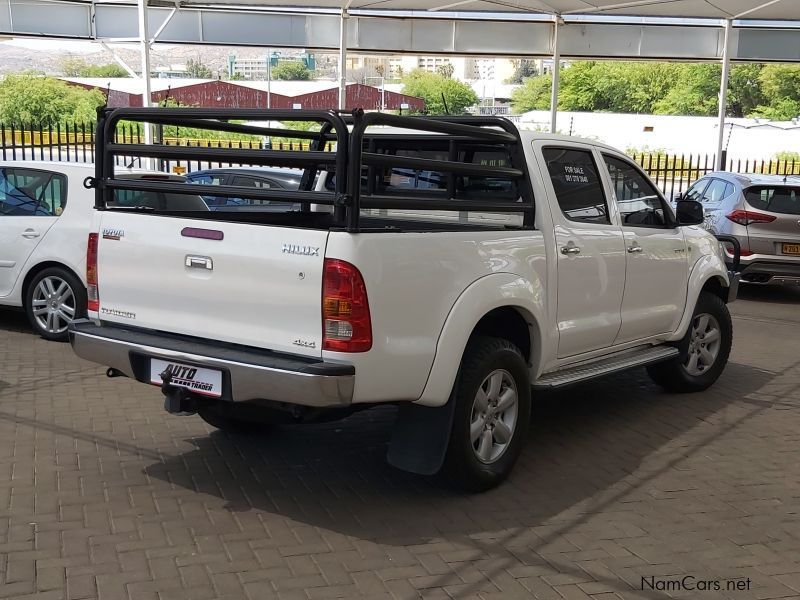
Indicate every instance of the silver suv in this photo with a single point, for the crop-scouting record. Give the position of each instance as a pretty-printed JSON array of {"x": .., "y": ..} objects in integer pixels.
[{"x": 763, "y": 213}]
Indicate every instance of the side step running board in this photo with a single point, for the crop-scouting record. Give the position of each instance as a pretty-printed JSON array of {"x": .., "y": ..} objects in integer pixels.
[{"x": 618, "y": 362}]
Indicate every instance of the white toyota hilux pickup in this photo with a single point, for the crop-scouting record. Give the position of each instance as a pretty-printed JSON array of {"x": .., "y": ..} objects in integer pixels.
[{"x": 449, "y": 266}]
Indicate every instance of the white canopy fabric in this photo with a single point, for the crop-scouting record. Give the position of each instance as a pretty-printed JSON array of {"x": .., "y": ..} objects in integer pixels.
[{"x": 687, "y": 9}]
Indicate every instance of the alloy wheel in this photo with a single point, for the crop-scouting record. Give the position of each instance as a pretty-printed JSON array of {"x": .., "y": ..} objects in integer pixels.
[
  {"x": 494, "y": 416},
  {"x": 53, "y": 304}
]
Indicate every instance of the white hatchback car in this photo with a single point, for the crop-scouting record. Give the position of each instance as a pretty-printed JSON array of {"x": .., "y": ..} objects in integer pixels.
[{"x": 45, "y": 218}]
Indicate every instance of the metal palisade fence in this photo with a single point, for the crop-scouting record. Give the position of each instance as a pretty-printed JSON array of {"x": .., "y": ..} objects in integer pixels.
[{"x": 673, "y": 173}]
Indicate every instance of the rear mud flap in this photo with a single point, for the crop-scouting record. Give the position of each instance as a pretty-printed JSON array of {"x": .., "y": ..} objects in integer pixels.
[{"x": 420, "y": 437}]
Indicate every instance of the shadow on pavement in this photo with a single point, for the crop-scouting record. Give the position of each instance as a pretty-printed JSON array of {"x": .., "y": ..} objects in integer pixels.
[
  {"x": 13, "y": 319},
  {"x": 776, "y": 294},
  {"x": 584, "y": 440}
]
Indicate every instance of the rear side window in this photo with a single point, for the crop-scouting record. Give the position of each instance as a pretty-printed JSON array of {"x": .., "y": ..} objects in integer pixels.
[
  {"x": 30, "y": 192},
  {"x": 778, "y": 199},
  {"x": 205, "y": 179},
  {"x": 573, "y": 174}
]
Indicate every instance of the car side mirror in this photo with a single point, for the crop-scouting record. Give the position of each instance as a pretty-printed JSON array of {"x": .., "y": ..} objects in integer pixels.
[{"x": 689, "y": 212}]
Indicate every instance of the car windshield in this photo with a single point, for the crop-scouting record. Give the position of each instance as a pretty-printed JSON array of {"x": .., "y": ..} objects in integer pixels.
[{"x": 776, "y": 199}]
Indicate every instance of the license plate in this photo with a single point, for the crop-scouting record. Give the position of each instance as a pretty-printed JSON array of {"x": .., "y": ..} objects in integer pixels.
[
  {"x": 793, "y": 249},
  {"x": 199, "y": 380}
]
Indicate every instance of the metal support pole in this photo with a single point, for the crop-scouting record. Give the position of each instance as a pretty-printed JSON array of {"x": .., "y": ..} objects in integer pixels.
[
  {"x": 723, "y": 92},
  {"x": 343, "y": 60},
  {"x": 556, "y": 75},
  {"x": 144, "y": 41},
  {"x": 269, "y": 79}
]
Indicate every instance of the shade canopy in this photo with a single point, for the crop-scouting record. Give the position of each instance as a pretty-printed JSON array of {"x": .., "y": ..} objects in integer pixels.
[{"x": 718, "y": 9}]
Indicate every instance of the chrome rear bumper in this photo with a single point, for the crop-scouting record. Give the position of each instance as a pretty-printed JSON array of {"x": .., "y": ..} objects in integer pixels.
[{"x": 247, "y": 374}]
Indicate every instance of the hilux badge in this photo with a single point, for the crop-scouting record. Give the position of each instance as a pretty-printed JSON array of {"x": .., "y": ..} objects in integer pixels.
[{"x": 302, "y": 250}]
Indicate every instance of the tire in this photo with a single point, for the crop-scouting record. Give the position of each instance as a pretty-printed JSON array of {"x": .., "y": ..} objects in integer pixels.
[
  {"x": 50, "y": 314},
  {"x": 226, "y": 419},
  {"x": 477, "y": 457},
  {"x": 693, "y": 370}
]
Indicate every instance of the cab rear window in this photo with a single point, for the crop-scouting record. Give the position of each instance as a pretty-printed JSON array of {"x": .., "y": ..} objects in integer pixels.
[
  {"x": 776, "y": 199},
  {"x": 157, "y": 201}
]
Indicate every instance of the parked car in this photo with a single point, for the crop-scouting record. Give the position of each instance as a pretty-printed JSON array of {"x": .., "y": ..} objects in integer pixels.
[
  {"x": 763, "y": 213},
  {"x": 45, "y": 216},
  {"x": 252, "y": 177},
  {"x": 449, "y": 300}
]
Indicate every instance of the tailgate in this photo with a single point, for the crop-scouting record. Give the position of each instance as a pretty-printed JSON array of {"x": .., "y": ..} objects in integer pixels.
[{"x": 257, "y": 286}]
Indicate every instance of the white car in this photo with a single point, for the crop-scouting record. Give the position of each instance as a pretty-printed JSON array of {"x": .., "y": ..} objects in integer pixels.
[
  {"x": 45, "y": 216},
  {"x": 461, "y": 265}
]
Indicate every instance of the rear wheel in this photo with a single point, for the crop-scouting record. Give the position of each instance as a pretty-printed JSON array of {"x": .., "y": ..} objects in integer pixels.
[
  {"x": 704, "y": 349},
  {"x": 492, "y": 414},
  {"x": 54, "y": 298}
]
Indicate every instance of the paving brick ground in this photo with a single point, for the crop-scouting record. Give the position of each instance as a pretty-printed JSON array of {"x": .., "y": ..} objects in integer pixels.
[{"x": 103, "y": 495}]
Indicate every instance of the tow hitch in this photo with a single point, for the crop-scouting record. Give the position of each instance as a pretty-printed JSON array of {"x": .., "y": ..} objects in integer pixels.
[{"x": 177, "y": 400}]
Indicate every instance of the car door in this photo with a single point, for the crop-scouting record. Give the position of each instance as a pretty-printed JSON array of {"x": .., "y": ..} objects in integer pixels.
[
  {"x": 590, "y": 251},
  {"x": 31, "y": 200},
  {"x": 656, "y": 254}
]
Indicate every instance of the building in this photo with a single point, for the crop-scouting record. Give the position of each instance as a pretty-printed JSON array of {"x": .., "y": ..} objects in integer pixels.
[
  {"x": 489, "y": 69},
  {"x": 258, "y": 68},
  {"x": 361, "y": 66},
  {"x": 319, "y": 94}
]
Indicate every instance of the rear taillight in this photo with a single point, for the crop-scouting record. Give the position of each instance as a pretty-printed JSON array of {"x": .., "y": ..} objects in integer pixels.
[
  {"x": 729, "y": 250},
  {"x": 93, "y": 296},
  {"x": 747, "y": 217},
  {"x": 346, "y": 325}
]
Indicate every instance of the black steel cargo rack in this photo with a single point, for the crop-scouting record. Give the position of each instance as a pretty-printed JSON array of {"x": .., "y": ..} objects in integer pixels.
[{"x": 342, "y": 145}]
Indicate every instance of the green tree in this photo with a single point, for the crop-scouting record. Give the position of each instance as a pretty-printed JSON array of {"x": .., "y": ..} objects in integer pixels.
[
  {"x": 446, "y": 70},
  {"x": 744, "y": 90},
  {"x": 780, "y": 85},
  {"x": 533, "y": 95},
  {"x": 695, "y": 92},
  {"x": 107, "y": 70},
  {"x": 197, "y": 70},
  {"x": 292, "y": 70},
  {"x": 30, "y": 98},
  {"x": 77, "y": 67},
  {"x": 433, "y": 87},
  {"x": 523, "y": 69}
]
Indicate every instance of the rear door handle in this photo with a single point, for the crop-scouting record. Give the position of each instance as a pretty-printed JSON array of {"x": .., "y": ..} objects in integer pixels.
[
  {"x": 199, "y": 262},
  {"x": 570, "y": 250},
  {"x": 30, "y": 234},
  {"x": 636, "y": 248}
]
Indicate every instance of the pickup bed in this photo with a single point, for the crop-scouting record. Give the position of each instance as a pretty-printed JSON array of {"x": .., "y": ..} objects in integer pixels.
[{"x": 451, "y": 266}]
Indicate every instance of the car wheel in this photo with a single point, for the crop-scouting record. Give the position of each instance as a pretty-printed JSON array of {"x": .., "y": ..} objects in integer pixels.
[
  {"x": 54, "y": 298},
  {"x": 227, "y": 419},
  {"x": 491, "y": 417},
  {"x": 704, "y": 350}
]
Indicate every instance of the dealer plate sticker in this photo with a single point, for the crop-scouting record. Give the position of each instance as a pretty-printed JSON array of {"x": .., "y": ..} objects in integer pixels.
[{"x": 197, "y": 379}]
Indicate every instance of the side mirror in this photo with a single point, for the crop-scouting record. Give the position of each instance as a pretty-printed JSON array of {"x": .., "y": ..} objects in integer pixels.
[{"x": 689, "y": 212}]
